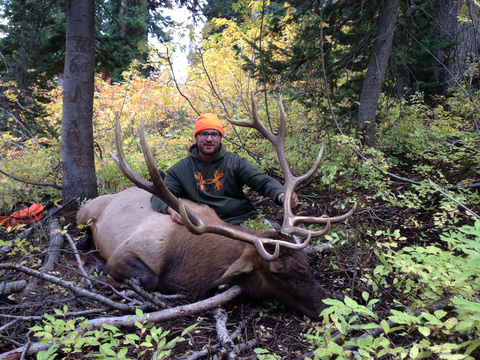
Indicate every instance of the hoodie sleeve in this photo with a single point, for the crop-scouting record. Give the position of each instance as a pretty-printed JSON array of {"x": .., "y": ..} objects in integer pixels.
[
  {"x": 172, "y": 183},
  {"x": 259, "y": 181}
]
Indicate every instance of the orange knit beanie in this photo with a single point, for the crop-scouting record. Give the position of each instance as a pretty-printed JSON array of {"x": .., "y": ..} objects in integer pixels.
[{"x": 208, "y": 122}]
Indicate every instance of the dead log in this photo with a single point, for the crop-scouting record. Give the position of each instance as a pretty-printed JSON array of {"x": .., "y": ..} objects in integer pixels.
[
  {"x": 54, "y": 247},
  {"x": 14, "y": 287}
]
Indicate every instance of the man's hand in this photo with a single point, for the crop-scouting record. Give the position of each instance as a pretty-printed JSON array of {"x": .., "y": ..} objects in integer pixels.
[
  {"x": 281, "y": 197},
  {"x": 176, "y": 217}
]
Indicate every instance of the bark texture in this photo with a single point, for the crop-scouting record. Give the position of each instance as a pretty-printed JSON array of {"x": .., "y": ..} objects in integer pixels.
[
  {"x": 372, "y": 85},
  {"x": 77, "y": 131},
  {"x": 458, "y": 22}
]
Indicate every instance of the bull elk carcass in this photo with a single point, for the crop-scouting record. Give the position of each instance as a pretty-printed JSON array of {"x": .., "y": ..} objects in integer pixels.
[{"x": 137, "y": 241}]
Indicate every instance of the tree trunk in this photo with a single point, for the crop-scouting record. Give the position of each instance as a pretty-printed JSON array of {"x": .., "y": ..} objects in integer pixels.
[
  {"x": 464, "y": 33},
  {"x": 372, "y": 85},
  {"x": 78, "y": 159}
]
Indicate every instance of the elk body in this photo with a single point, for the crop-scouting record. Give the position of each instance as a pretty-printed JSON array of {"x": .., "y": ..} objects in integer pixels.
[{"x": 136, "y": 241}]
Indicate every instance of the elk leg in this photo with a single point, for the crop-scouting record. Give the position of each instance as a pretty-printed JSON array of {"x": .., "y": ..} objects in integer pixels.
[{"x": 133, "y": 268}]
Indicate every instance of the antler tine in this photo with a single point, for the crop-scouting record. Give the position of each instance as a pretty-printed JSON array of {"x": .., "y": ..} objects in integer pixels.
[
  {"x": 320, "y": 220},
  {"x": 303, "y": 232},
  {"x": 157, "y": 187},
  {"x": 122, "y": 161},
  {"x": 291, "y": 183}
]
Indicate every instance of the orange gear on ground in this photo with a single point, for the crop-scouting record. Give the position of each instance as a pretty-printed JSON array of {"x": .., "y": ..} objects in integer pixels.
[{"x": 25, "y": 216}]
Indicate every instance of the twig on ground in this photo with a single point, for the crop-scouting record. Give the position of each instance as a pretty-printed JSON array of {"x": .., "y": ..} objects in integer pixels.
[
  {"x": 7, "y": 325},
  {"x": 453, "y": 199},
  {"x": 222, "y": 333},
  {"x": 79, "y": 260},
  {"x": 233, "y": 335},
  {"x": 71, "y": 314},
  {"x": 134, "y": 283},
  {"x": 170, "y": 314},
  {"x": 75, "y": 289}
]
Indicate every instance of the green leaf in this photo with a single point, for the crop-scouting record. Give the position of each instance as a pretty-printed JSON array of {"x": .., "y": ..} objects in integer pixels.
[
  {"x": 380, "y": 341},
  {"x": 450, "y": 323},
  {"x": 131, "y": 338},
  {"x": 121, "y": 354},
  {"x": 472, "y": 347},
  {"x": 425, "y": 331},
  {"x": 414, "y": 352},
  {"x": 107, "y": 349},
  {"x": 440, "y": 313},
  {"x": 350, "y": 303},
  {"x": 432, "y": 319},
  {"x": 260, "y": 351},
  {"x": 385, "y": 326},
  {"x": 112, "y": 328},
  {"x": 383, "y": 352},
  {"x": 328, "y": 311},
  {"x": 189, "y": 329},
  {"x": 369, "y": 326}
]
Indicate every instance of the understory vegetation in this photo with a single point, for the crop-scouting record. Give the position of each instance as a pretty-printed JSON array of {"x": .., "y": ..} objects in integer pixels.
[{"x": 407, "y": 261}]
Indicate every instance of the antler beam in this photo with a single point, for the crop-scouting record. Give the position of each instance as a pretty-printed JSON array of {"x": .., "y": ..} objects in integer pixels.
[
  {"x": 194, "y": 223},
  {"x": 291, "y": 181}
]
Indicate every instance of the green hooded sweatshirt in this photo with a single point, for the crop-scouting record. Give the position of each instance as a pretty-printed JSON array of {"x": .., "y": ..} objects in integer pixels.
[{"x": 218, "y": 183}]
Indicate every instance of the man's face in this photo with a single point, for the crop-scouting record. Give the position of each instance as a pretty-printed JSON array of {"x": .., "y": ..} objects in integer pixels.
[{"x": 208, "y": 142}]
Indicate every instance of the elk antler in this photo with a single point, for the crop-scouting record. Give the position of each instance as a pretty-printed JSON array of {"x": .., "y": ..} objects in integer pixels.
[
  {"x": 291, "y": 182},
  {"x": 194, "y": 223}
]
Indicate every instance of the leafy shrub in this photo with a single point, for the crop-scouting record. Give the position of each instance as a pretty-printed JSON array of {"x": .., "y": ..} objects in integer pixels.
[{"x": 69, "y": 338}]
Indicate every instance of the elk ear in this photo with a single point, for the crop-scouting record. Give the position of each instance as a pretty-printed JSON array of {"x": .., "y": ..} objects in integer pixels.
[{"x": 243, "y": 265}]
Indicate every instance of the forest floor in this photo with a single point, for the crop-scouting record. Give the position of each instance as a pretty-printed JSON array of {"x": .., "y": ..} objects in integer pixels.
[{"x": 267, "y": 325}]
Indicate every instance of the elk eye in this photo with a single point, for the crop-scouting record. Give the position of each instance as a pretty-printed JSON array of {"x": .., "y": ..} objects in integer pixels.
[
  {"x": 301, "y": 270},
  {"x": 276, "y": 275}
]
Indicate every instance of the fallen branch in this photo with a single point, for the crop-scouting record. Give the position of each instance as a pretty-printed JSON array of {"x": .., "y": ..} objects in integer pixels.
[
  {"x": 13, "y": 287},
  {"x": 79, "y": 260},
  {"x": 53, "y": 251},
  {"x": 135, "y": 285},
  {"x": 225, "y": 341},
  {"x": 75, "y": 289},
  {"x": 129, "y": 320},
  {"x": 169, "y": 314}
]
